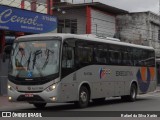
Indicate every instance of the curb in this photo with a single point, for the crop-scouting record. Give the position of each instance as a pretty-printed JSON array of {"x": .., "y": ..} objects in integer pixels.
[{"x": 157, "y": 91}]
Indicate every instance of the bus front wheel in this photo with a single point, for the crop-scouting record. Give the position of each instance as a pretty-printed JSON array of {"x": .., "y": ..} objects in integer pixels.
[
  {"x": 39, "y": 105},
  {"x": 83, "y": 97}
]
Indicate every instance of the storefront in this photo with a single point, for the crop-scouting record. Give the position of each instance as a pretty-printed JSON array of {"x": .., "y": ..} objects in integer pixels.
[{"x": 15, "y": 22}]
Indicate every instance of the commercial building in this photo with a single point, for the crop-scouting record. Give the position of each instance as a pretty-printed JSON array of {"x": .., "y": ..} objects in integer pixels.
[
  {"x": 87, "y": 18},
  {"x": 16, "y": 22}
]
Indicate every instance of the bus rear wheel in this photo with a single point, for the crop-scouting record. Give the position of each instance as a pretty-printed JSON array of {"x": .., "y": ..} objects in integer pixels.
[
  {"x": 133, "y": 94},
  {"x": 83, "y": 97},
  {"x": 39, "y": 105}
]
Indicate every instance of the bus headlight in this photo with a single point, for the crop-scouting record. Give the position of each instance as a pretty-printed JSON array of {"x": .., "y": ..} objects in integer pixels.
[
  {"x": 51, "y": 88},
  {"x": 10, "y": 88}
]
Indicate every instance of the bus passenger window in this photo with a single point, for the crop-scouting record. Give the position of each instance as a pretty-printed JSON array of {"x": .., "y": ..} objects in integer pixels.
[
  {"x": 84, "y": 55},
  {"x": 100, "y": 54},
  {"x": 68, "y": 57}
]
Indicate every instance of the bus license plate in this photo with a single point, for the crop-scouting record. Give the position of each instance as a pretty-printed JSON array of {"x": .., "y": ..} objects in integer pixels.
[{"x": 28, "y": 95}]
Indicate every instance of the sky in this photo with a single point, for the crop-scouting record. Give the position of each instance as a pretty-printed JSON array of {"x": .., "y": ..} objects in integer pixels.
[{"x": 129, "y": 5}]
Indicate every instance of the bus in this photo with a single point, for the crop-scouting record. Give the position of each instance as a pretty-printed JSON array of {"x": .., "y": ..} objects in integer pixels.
[{"x": 60, "y": 68}]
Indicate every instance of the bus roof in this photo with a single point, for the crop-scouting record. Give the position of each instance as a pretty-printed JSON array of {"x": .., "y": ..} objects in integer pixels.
[{"x": 85, "y": 37}]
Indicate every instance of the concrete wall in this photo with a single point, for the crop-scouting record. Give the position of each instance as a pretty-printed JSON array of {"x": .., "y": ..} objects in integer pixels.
[
  {"x": 154, "y": 28},
  {"x": 139, "y": 28},
  {"x": 132, "y": 28},
  {"x": 102, "y": 23}
]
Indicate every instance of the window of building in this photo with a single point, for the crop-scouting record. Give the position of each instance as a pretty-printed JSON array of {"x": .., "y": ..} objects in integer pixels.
[{"x": 67, "y": 26}]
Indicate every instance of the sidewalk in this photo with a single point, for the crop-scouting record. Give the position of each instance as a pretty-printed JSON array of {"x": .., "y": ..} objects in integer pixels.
[{"x": 157, "y": 89}]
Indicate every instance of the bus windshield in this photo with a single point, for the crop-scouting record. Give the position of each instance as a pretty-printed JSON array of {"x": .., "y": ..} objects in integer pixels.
[{"x": 32, "y": 59}]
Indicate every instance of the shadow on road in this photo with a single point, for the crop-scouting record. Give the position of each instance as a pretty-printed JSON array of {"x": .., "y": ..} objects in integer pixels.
[{"x": 71, "y": 106}]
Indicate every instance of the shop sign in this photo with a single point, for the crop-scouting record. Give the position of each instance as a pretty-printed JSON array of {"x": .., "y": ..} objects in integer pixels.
[{"x": 26, "y": 21}]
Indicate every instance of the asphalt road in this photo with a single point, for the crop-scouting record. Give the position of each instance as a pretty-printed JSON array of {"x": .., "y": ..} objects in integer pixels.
[{"x": 147, "y": 102}]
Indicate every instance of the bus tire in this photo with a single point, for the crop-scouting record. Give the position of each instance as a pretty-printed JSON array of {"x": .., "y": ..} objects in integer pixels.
[
  {"x": 83, "y": 97},
  {"x": 99, "y": 100},
  {"x": 133, "y": 93},
  {"x": 39, "y": 105}
]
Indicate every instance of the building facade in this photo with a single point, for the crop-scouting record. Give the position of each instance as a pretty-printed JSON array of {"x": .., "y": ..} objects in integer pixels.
[
  {"x": 87, "y": 18},
  {"x": 140, "y": 28}
]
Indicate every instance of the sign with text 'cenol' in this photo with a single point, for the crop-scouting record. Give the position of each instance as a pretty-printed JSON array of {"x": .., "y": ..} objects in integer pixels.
[{"x": 26, "y": 21}]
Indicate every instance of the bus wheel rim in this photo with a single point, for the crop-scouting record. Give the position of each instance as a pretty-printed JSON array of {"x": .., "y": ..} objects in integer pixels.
[
  {"x": 133, "y": 93},
  {"x": 83, "y": 96}
]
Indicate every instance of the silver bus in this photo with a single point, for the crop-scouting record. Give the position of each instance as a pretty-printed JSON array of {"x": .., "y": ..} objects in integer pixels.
[{"x": 52, "y": 68}]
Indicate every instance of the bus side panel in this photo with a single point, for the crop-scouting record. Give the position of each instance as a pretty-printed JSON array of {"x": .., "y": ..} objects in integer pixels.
[
  {"x": 69, "y": 91},
  {"x": 104, "y": 81},
  {"x": 102, "y": 89},
  {"x": 122, "y": 77},
  {"x": 146, "y": 78},
  {"x": 99, "y": 80},
  {"x": 153, "y": 78}
]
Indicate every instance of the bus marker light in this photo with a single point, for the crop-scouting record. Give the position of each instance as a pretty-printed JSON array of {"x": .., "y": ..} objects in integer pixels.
[
  {"x": 10, "y": 98},
  {"x": 53, "y": 98},
  {"x": 9, "y": 86}
]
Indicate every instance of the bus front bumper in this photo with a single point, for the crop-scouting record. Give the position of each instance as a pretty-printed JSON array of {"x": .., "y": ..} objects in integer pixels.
[{"x": 33, "y": 97}]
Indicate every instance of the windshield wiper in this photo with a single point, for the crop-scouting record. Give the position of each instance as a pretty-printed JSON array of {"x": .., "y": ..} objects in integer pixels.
[
  {"x": 35, "y": 57},
  {"x": 29, "y": 60},
  {"x": 46, "y": 61}
]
